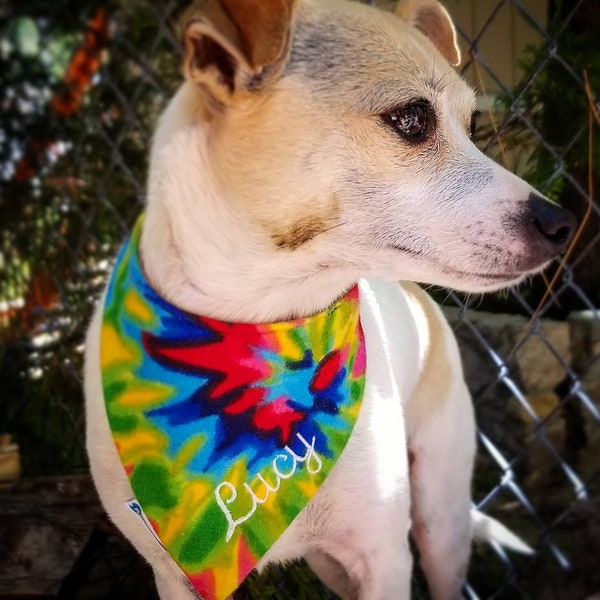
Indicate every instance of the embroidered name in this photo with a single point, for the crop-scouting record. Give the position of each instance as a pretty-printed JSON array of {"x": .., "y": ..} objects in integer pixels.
[{"x": 284, "y": 466}]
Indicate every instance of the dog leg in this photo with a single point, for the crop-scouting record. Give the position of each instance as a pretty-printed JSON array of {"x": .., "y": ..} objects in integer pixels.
[
  {"x": 332, "y": 574},
  {"x": 354, "y": 533},
  {"x": 358, "y": 546},
  {"x": 441, "y": 441},
  {"x": 370, "y": 586},
  {"x": 440, "y": 494},
  {"x": 357, "y": 565}
]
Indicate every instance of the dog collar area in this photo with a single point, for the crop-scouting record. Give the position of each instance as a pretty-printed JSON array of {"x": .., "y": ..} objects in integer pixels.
[{"x": 225, "y": 430}]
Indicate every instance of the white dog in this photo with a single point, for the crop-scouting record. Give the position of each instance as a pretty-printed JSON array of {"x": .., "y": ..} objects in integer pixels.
[{"x": 314, "y": 144}]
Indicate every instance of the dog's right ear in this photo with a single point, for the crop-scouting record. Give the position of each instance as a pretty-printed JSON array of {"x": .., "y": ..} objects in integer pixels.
[
  {"x": 433, "y": 20},
  {"x": 234, "y": 48}
]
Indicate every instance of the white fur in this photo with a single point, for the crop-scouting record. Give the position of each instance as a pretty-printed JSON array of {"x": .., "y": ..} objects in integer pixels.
[{"x": 225, "y": 183}]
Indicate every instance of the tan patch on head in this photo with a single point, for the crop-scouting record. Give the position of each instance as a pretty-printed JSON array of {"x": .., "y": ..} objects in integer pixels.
[
  {"x": 300, "y": 233},
  {"x": 307, "y": 228}
]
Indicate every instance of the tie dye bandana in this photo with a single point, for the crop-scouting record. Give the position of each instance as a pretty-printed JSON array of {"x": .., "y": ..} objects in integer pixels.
[{"x": 225, "y": 430}]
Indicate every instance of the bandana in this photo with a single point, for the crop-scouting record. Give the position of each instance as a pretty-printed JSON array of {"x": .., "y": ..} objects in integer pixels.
[{"x": 225, "y": 430}]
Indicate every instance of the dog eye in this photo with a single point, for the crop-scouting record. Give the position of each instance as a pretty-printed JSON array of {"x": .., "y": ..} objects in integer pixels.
[
  {"x": 412, "y": 120},
  {"x": 474, "y": 118}
]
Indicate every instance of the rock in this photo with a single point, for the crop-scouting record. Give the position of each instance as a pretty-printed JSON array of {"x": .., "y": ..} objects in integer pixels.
[
  {"x": 10, "y": 460},
  {"x": 585, "y": 345},
  {"x": 44, "y": 524},
  {"x": 544, "y": 356}
]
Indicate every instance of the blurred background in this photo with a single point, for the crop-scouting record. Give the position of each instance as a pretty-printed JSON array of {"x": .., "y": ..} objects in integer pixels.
[{"x": 81, "y": 84}]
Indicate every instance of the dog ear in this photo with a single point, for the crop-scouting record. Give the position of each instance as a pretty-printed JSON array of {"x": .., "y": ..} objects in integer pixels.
[
  {"x": 235, "y": 47},
  {"x": 433, "y": 20}
]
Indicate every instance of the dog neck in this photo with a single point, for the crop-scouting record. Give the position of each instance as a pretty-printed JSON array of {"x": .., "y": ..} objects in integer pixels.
[{"x": 202, "y": 256}]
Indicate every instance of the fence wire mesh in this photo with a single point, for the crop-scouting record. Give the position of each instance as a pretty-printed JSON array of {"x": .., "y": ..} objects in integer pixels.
[{"x": 81, "y": 85}]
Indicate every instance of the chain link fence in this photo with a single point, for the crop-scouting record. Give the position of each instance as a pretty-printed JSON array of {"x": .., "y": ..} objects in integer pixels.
[{"x": 81, "y": 85}]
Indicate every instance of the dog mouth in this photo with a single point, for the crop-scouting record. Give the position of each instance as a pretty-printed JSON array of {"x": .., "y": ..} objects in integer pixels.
[
  {"x": 490, "y": 279},
  {"x": 488, "y": 282},
  {"x": 490, "y": 276}
]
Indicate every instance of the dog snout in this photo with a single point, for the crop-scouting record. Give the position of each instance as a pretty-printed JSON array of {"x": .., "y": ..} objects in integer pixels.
[{"x": 552, "y": 225}]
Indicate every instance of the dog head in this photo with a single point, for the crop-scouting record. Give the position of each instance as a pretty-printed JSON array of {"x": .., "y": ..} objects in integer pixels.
[{"x": 335, "y": 138}]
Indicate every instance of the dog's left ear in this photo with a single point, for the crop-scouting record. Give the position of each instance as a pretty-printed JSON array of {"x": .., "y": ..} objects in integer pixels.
[
  {"x": 236, "y": 47},
  {"x": 433, "y": 20}
]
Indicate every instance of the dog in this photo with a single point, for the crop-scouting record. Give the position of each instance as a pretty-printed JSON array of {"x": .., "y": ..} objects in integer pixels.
[{"x": 317, "y": 153}]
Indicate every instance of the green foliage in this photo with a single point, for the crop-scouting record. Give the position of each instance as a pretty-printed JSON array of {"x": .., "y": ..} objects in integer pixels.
[
  {"x": 554, "y": 101},
  {"x": 71, "y": 183}
]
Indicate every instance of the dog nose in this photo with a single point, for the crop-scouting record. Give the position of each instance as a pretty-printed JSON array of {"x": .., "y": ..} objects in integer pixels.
[{"x": 555, "y": 225}]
